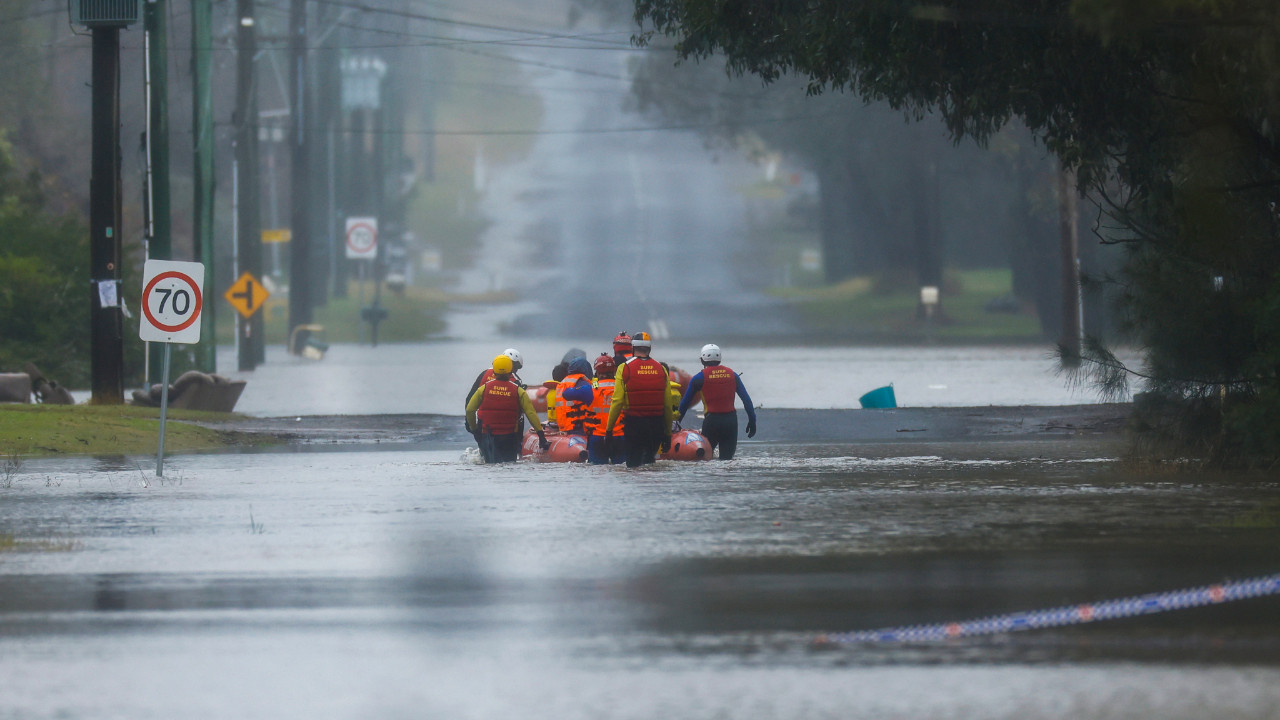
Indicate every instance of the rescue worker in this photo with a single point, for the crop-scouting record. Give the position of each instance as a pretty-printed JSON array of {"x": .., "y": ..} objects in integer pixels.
[
  {"x": 718, "y": 385},
  {"x": 485, "y": 375},
  {"x": 621, "y": 348},
  {"x": 602, "y": 399},
  {"x": 494, "y": 411},
  {"x": 572, "y": 409},
  {"x": 517, "y": 362},
  {"x": 558, "y": 373},
  {"x": 640, "y": 398}
]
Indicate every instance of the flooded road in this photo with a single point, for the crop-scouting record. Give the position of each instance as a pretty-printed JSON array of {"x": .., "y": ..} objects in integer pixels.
[
  {"x": 417, "y": 584},
  {"x": 434, "y": 377}
]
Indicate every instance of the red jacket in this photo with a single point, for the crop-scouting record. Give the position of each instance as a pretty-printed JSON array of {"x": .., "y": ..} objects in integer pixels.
[
  {"x": 719, "y": 389},
  {"x": 646, "y": 383},
  {"x": 499, "y": 411}
]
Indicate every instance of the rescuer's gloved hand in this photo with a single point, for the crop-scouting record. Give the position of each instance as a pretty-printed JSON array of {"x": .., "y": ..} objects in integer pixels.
[
  {"x": 467, "y": 424},
  {"x": 666, "y": 444},
  {"x": 751, "y": 428},
  {"x": 543, "y": 442}
]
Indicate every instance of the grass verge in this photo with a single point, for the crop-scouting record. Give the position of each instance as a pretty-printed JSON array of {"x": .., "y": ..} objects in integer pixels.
[
  {"x": 42, "y": 430},
  {"x": 855, "y": 309}
]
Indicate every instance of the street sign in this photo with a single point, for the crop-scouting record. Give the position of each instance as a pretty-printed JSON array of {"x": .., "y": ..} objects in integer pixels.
[
  {"x": 246, "y": 295},
  {"x": 172, "y": 297},
  {"x": 277, "y": 235},
  {"x": 362, "y": 238}
]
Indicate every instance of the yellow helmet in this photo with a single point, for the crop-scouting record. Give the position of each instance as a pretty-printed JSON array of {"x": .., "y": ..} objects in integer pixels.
[{"x": 502, "y": 365}]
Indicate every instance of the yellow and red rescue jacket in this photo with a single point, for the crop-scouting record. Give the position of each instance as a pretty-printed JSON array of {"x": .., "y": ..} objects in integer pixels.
[
  {"x": 499, "y": 411},
  {"x": 719, "y": 388},
  {"x": 600, "y": 402},
  {"x": 646, "y": 384}
]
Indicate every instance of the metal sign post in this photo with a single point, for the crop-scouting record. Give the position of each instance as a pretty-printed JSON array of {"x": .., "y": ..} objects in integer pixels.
[{"x": 172, "y": 298}]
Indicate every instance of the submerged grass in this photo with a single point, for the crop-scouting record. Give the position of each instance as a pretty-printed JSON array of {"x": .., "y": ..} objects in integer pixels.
[
  {"x": 10, "y": 543},
  {"x": 854, "y": 309},
  {"x": 30, "y": 430}
]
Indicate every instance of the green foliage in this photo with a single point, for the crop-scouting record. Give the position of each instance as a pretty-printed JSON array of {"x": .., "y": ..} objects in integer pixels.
[
  {"x": 1168, "y": 109},
  {"x": 44, "y": 279}
]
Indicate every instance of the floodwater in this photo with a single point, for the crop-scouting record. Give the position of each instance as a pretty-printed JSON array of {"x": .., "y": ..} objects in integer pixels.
[
  {"x": 434, "y": 377},
  {"x": 418, "y": 584}
]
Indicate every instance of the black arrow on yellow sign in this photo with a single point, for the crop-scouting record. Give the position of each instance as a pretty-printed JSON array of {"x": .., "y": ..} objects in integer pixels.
[{"x": 246, "y": 295}]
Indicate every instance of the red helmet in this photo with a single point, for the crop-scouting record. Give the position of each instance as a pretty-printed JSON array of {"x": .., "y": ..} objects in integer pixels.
[
  {"x": 621, "y": 339},
  {"x": 604, "y": 366}
]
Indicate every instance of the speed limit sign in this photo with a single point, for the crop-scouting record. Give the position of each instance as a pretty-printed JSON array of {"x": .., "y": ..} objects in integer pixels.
[
  {"x": 362, "y": 238},
  {"x": 172, "y": 297}
]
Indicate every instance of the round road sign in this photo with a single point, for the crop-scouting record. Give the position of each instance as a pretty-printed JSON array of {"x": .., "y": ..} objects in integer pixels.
[
  {"x": 362, "y": 239},
  {"x": 171, "y": 303}
]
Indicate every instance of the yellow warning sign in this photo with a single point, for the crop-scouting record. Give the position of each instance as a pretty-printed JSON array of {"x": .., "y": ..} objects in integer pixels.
[
  {"x": 246, "y": 295},
  {"x": 277, "y": 235}
]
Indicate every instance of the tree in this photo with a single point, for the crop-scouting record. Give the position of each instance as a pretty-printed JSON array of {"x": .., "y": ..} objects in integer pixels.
[
  {"x": 1167, "y": 110},
  {"x": 44, "y": 257}
]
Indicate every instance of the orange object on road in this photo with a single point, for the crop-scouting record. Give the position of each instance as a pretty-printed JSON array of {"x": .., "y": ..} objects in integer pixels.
[
  {"x": 688, "y": 445},
  {"x": 564, "y": 448}
]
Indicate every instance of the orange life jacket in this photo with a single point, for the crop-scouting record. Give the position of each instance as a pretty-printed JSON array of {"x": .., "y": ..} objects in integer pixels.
[
  {"x": 719, "y": 388},
  {"x": 646, "y": 382},
  {"x": 572, "y": 415},
  {"x": 499, "y": 412},
  {"x": 600, "y": 402}
]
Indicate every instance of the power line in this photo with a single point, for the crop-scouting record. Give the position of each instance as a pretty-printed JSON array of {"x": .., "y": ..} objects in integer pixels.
[
  {"x": 527, "y": 34},
  {"x": 447, "y": 41},
  {"x": 419, "y": 16},
  {"x": 578, "y": 131}
]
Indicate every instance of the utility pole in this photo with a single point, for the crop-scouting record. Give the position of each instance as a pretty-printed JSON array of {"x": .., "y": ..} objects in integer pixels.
[
  {"x": 328, "y": 111},
  {"x": 300, "y": 207},
  {"x": 159, "y": 230},
  {"x": 202, "y": 130},
  {"x": 1068, "y": 223},
  {"x": 106, "y": 323},
  {"x": 249, "y": 331}
]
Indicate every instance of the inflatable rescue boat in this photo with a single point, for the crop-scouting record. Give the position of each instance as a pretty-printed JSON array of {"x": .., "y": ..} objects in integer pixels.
[
  {"x": 688, "y": 445},
  {"x": 685, "y": 445},
  {"x": 564, "y": 448}
]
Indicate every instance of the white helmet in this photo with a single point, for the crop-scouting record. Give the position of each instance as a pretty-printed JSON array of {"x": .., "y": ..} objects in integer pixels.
[
  {"x": 514, "y": 354},
  {"x": 710, "y": 353}
]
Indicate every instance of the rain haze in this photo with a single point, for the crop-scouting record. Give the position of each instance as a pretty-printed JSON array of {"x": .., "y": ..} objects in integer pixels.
[{"x": 539, "y": 181}]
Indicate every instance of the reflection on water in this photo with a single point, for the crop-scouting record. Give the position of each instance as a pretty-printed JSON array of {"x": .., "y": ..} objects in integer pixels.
[{"x": 409, "y": 584}]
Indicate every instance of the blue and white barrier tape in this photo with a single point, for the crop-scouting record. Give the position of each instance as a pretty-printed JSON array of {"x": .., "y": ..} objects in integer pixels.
[{"x": 1068, "y": 614}]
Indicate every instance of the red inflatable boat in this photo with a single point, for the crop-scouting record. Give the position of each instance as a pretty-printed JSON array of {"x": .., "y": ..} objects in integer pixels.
[
  {"x": 688, "y": 445},
  {"x": 685, "y": 445},
  {"x": 564, "y": 448}
]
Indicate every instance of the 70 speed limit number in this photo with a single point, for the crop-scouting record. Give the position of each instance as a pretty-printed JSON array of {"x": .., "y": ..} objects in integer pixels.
[{"x": 172, "y": 298}]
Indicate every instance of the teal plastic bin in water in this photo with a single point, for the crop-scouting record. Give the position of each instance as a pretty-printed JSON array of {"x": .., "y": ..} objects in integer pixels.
[{"x": 879, "y": 398}]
